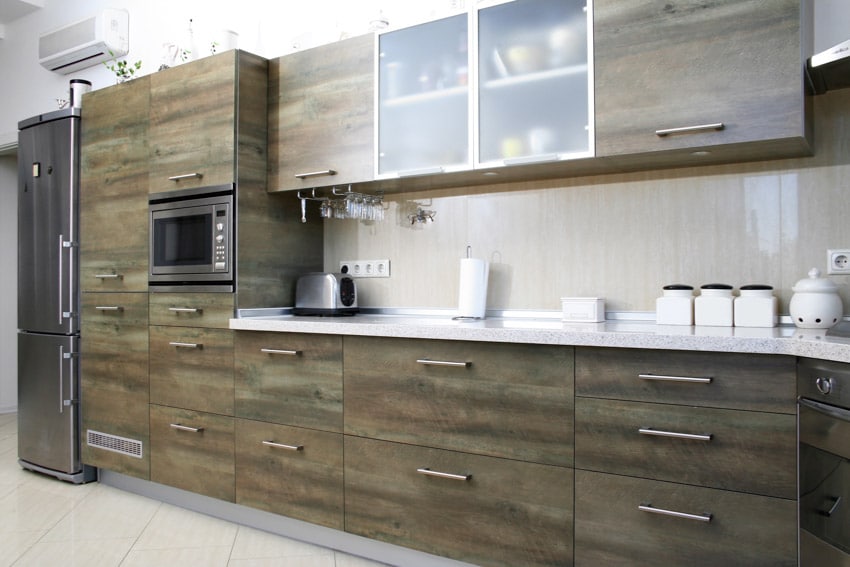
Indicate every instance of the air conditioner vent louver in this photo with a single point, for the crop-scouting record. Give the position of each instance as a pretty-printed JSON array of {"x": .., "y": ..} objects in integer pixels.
[
  {"x": 115, "y": 443},
  {"x": 85, "y": 43}
]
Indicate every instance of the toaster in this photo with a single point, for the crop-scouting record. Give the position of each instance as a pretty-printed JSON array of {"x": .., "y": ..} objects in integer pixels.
[{"x": 323, "y": 293}]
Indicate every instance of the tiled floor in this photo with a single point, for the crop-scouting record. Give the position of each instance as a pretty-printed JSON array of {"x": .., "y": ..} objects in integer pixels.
[{"x": 44, "y": 521}]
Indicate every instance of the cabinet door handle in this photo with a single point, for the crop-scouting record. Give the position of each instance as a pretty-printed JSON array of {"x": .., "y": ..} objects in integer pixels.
[
  {"x": 653, "y": 510},
  {"x": 193, "y": 175},
  {"x": 283, "y": 446},
  {"x": 109, "y": 308},
  {"x": 834, "y": 502},
  {"x": 429, "y": 362},
  {"x": 690, "y": 129},
  {"x": 109, "y": 276},
  {"x": 660, "y": 433},
  {"x": 186, "y": 428},
  {"x": 661, "y": 378},
  {"x": 321, "y": 173},
  {"x": 185, "y": 310},
  {"x": 279, "y": 351},
  {"x": 451, "y": 476},
  {"x": 186, "y": 345}
]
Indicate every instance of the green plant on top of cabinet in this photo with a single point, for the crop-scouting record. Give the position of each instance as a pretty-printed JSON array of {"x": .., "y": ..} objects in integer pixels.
[
  {"x": 321, "y": 116},
  {"x": 721, "y": 75}
]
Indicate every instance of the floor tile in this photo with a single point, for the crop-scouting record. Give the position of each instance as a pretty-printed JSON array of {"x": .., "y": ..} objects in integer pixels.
[
  {"x": 14, "y": 544},
  {"x": 324, "y": 561},
  {"x": 173, "y": 527},
  {"x": 104, "y": 553},
  {"x": 29, "y": 508},
  {"x": 186, "y": 557},
  {"x": 345, "y": 560},
  {"x": 257, "y": 544}
]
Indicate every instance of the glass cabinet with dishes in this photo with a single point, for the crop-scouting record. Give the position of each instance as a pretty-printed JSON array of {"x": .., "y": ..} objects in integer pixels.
[{"x": 506, "y": 83}]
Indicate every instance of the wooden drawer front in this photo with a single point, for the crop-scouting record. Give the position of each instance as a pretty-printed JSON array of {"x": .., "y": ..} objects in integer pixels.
[
  {"x": 508, "y": 513},
  {"x": 736, "y": 450},
  {"x": 193, "y": 451},
  {"x": 212, "y": 310},
  {"x": 512, "y": 400},
  {"x": 192, "y": 368},
  {"x": 744, "y": 529},
  {"x": 290, "y": 379},
  {"x": 737, "y": 381},
  {"x": 291, "y": 471},
  {"x": 114, "y": 377}
]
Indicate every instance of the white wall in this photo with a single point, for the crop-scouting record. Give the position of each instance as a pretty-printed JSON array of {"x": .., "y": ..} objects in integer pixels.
[{"x": 8, "y": 284}]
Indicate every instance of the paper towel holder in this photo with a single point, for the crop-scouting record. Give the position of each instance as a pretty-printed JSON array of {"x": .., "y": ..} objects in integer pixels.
[{"x": 472, "y": 317}]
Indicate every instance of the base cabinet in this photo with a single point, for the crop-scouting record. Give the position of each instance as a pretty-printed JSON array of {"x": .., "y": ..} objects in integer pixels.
[{"x": 484, "y": 510}]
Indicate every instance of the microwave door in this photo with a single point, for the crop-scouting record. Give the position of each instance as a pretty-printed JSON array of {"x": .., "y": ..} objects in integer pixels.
[{"x": 181, "y": 241}]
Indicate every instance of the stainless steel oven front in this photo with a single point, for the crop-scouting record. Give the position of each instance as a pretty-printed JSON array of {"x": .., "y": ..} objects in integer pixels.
[
  {"x": 191, "y": 240},
  {"x": 824, "y": 411}
]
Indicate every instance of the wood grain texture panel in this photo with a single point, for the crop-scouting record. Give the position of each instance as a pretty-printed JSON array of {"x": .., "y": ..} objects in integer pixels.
[
  {"x": 668, "y": 64},
  {"x": 513, "y": 400},
  {"x": 113, "y": 187},
  {"x": 744, "y": 529},
  {"x": 114, "y": 377},
  {"x": 303, "y": 390},
  {"x": 321, "y": 115},
  {"x": 194, "y": 378},
  {"x": 214, "y": 310},
  {"x": 200, "y": 462},
  {"x": 751, "y": 452},
  {"x": 738, "y": 381},
  {"x": 509, "y": 513},
  {"x": 306, "y": 484}
]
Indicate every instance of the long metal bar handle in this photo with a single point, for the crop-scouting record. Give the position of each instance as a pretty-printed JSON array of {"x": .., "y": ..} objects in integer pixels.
[
  {"x": 61, "y": 379},
  {"x": 193, "y": 175},
  {"x": 283, "y": 446},
  {"x": 109, "y": 276},
  {"x": 185, "y": 345},
  {"x": 674, "y": 434},
  {"x": 186, "y": 428},
  {"x": 279, "y": 351},
  {"x": 685, "y": 516},
  {"x": 451, "y": 476},
  {"x": 662, "y": 378},
  {"x": 185, "y": 309},
  {"x": 690, "y": 129},
  {"x": 61, "y": 269},
  {"x": 429, "y": 362},
  {"x": 109, "y": 308},
  {"x": 315, "y": 173}
]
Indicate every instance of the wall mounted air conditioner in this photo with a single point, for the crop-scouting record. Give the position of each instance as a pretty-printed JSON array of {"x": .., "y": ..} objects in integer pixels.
[{"x": 85, "y": 43}]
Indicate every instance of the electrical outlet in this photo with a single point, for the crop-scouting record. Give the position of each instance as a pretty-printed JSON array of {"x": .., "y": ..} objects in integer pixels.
[
  {"x": 838, "y": 261},
  {"x": 365, "y": 268}
]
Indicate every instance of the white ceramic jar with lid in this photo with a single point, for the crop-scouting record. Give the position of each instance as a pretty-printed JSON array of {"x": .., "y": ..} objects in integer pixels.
[
  {"x": 675, "y": 306},
  {"x": 756, "y": 306},
  {"x": 714, "y": 305},
  {"x": 815, "y": 303}
]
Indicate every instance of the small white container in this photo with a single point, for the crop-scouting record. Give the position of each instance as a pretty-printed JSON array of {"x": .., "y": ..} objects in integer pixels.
[
  {"x": 756, "y": 306},
  {"x": 676, "y": 306},
  {"x": 816, "y": 303},
  {"x": 714, "y": 306},
  {"x": 583, "y": 309}
]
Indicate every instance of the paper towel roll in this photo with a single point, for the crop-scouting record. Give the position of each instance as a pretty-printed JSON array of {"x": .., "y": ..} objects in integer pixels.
[{"x": 472, "y": 299}]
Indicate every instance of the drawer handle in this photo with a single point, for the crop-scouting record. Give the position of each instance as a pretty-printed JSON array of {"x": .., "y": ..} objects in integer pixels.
[
  {"x": 193, "y": 175},
  {"x": 185, "y": 345},
  {"x": 835, "y": 503},
  {"x": 659, "y": 433},
  {"x": 278, "y": 351},
  {"x": 451, "y": 476},
  {"x": 109, "y": 276},
  {"x": 653, "y": 510},
  {"x": 662, "y": 378},
  {"x": 282, "y": 446},
  {"x": 429, "y": 362},
  {"x": 315, "y": 173},
  {"x": 109, "y": 308},
  {"x": 690, "y": 129},
  {"x": 186, "y": 428},
  {"x": 185, "y": 309}
]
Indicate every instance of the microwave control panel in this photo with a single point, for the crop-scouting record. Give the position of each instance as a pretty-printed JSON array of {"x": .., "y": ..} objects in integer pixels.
[{"x": 220, "y": 240}]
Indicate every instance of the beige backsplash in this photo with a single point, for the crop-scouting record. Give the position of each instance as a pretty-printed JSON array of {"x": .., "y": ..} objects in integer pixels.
[{"x": 621, "y": 237}]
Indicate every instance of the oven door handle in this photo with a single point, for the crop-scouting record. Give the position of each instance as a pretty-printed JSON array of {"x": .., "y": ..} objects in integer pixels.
[{"x": 831, "y": 411}]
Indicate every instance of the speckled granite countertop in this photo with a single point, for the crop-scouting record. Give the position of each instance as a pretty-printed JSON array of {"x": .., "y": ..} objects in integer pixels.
[{"x": 551, "y": 330}]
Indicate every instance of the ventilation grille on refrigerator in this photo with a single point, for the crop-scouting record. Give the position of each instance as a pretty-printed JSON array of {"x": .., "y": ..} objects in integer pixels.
[{"x": 122, "y": 445}]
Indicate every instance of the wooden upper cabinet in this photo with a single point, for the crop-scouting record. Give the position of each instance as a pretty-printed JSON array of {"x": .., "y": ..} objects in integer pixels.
[
  {"x": 321, "y": 116},
  {"x": 113, "y": 188},
  {"x": 196, "y": 120},
  {"x": 662, "y": 66}
]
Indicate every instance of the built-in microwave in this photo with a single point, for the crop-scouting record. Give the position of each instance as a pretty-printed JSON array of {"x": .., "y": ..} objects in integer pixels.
[{"x": 191, "y": 240}]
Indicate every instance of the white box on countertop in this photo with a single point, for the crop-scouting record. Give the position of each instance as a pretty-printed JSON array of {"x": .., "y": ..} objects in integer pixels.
[{"x": 583, "y": 309}]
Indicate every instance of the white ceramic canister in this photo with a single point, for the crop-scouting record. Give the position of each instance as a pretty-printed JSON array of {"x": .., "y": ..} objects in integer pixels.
[
  {"x": 713, "y": 307},
  {"x": 756, "y": 306},
  {"x": 78, "y": 87},
  {"x": 675, "y": 306},
  {"x": 815, "y": 303}
]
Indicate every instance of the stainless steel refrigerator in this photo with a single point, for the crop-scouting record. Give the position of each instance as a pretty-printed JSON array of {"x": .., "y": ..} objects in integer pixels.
[{"x": 48, "y": 296}]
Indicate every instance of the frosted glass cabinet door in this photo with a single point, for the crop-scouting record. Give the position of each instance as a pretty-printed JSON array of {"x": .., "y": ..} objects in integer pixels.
[
  {"x": 423, "y": 104},
  {"x": 533, "y": 101}
]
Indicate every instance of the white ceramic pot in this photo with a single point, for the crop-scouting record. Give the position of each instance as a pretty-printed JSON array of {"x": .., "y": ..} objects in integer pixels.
[{"x": 815, "y": 303}]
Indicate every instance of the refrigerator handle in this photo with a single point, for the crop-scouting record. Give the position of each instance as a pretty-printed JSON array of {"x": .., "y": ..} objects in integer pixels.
[
  {"x": 62, "y": 245},
  {"x": 59, "y": 291},
  {"x": 63, "y": 356}
]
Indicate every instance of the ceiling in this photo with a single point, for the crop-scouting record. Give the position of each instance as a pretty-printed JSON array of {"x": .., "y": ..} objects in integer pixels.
[{"x": 11, "y": 10}]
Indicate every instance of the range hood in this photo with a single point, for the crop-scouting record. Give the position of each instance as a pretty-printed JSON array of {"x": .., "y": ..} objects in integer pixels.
[{"x": 830, "y": 69}]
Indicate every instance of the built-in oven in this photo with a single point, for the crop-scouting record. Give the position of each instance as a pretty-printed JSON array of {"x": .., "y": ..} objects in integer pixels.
[
  {"x": 191, "y": 240},
  {"x": 824, "y": 411}
]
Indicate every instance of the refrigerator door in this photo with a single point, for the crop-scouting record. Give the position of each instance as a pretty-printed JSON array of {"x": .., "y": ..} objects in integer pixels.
[
  {"x": 48, "y": 386},
  {"x": 48, "y": 167}
]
